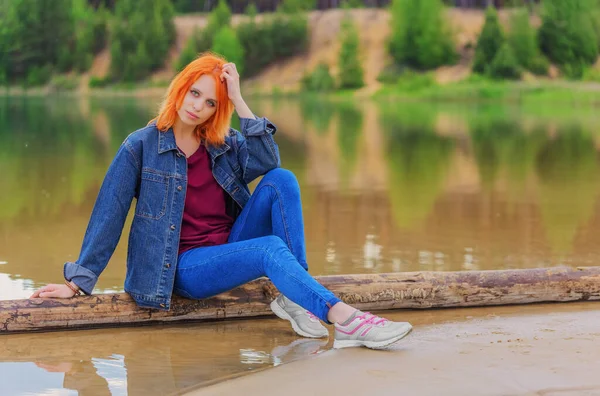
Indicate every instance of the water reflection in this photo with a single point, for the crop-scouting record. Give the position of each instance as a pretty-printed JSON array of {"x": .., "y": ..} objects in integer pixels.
[
  {"x": 145, "y": 361},
  {"x": 418, "y": 160},
  {"x": 385, "y": 187}
]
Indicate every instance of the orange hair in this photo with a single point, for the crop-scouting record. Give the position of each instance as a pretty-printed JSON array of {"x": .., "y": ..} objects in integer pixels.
[{"x": 216, "y": 127}]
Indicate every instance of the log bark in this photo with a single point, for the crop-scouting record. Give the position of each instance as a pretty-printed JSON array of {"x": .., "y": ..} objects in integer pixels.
[{"x": 413, "y": 290}]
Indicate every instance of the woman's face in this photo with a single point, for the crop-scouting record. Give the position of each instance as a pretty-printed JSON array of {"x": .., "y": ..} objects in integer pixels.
[{"x": 199, "y": 103}]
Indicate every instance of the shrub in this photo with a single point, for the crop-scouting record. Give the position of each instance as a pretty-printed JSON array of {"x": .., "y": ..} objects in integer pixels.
[
  {"x": 320, "y": 80},
  {"x": 38, "y": 75},
  {"x": 489, "y": 42},
  {"x": 539, "y": 65},
  {"x": 98, "y": 82},
  {"x": 64, "y": 83},
  {"x": 505, "y": 64},
  {"x": 411, "y": 81},
  {"x": 591, "y": 74},
  {"x": 390, "y": 74}
]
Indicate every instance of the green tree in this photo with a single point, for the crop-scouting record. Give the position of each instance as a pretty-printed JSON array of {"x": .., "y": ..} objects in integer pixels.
[
  {"x": 350, "y": 70},
  {"x": 489, "y": 42},
  {"x": 257, "y": 42},
  {"x": 187, "y": 55},
  {"x": 421, "y": 38},
  {"x": 505, "y": 64},
  {"x": 140, "y": 24},
  {"x": 289, "y": 34},
  {"x": 296, "y": 6},
  {"x": 522, "y": 38},
  {"x": 32, "y": 34},
  {"x": 226, "y": 43},
  {"x": 218, "y": 18},
  {"x": 90, "y": 32},
  {"x": 567, "y": 34}
]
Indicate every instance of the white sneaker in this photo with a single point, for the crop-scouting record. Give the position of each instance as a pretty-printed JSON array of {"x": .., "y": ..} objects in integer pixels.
[
  {"x": 303, "y": 322},
  {"x": 369, "y": 331}
]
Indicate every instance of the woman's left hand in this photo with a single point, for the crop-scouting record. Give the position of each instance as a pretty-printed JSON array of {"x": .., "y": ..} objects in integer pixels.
[{"x": 232, "y": 77}]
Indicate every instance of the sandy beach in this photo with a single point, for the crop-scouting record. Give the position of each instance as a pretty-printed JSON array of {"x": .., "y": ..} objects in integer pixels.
[{"x": 548, "y": 350}]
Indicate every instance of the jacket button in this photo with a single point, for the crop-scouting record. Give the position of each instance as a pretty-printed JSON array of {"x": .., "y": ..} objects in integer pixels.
[
  {"x": 179, "y": 188},
  {"x": 168, "y": 265},
  {"x": 172, "y": 226}
]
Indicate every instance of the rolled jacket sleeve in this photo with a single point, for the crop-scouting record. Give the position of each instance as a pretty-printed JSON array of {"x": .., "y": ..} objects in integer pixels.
[
  {"x": 257, "y": 151},
  {"x": 81, "y": 276},
  {"x": 257, "y": 126}
]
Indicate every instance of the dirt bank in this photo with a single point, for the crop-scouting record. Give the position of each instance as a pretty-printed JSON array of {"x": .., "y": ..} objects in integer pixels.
[
  {"x": 324, "y": 45},
  {"x": 527, "y": 350}
]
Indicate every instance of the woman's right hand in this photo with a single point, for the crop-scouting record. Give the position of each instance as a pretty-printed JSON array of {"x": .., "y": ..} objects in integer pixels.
[{"x": 53, "y": 290}]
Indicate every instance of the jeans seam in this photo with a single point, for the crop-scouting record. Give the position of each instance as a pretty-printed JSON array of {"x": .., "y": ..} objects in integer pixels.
[
  {"x": 297, "y": 280},
  {"x": 285, "y": 225},
  {"x": 283, "y": 217}
]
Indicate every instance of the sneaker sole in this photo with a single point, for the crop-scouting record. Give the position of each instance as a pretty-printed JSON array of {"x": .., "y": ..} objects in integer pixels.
[
  {"x": 280, "y": 312},
  {"x": 385, "y": 344}
]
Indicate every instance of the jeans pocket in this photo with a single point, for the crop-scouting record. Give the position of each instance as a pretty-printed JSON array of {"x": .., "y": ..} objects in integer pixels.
[{"x": 154, "y": 191}]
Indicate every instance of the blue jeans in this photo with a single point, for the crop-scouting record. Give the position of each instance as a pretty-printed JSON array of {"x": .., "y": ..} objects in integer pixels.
[{"x": 267, "y": 239}]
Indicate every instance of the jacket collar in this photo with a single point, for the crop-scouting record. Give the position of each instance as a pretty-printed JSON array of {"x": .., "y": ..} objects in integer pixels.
[
  {"x": 166, "y": 142},
  {"x": 215, "y": 151}
]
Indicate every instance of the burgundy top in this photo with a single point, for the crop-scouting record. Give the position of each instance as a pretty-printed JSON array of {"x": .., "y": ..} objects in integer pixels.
[{"x": 205, "y": 220}]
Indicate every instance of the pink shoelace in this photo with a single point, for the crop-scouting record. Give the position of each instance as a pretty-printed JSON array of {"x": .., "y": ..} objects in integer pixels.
[{"x": 369, "y": 318}]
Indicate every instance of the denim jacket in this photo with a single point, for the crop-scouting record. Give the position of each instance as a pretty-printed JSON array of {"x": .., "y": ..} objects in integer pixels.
[{"x": 150, "y": 167}]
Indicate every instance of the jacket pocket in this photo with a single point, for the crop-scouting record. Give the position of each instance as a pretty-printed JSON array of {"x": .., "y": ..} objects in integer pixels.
[{"x": 154, "y": 191}]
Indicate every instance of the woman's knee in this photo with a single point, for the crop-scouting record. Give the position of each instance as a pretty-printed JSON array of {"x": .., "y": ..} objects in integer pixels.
[
  {"x": 274, "y": 248},
  {"x": 281, "y": 177},
  {"x": 272, "y": 243}
]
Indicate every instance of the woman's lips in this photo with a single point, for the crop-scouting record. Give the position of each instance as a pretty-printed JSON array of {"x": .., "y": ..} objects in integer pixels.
[{"x": 192, "y": 116}]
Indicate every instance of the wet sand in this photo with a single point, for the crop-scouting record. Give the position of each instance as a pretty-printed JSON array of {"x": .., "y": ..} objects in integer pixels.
[{"x": 549, "y": 350}]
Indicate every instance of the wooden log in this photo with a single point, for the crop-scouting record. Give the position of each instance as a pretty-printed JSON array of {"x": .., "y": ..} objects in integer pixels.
[{"x": 415, "y": 290}]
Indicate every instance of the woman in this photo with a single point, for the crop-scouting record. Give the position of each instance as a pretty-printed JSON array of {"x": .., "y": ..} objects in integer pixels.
[{"x": 197, "y": 231}]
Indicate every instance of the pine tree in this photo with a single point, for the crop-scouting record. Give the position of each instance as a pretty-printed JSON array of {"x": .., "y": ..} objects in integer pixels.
[
  {"x": 227, "y": 44},
  {"x": 350, "y": 70},
  {"x": 187, "y": 55},
  {"x": 420, "y": 37},
  {"x": 489, "y": 42},
  {"x": 505, "y": 64},
  {"x": 567, "y": 34}
]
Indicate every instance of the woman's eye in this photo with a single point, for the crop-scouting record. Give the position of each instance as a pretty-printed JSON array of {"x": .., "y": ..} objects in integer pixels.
[
  {"x": 211, "y": 103},
  {"x": 195, "y": 93}
]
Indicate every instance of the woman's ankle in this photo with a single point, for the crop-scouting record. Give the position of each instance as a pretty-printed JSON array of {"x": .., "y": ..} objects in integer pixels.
[{"x": 340, "y": 313}]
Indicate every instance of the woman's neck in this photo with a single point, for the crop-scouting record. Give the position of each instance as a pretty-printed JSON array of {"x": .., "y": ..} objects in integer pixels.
[
  {"x": 183, "y": 131},
  {"x": 186, "y": 138}
]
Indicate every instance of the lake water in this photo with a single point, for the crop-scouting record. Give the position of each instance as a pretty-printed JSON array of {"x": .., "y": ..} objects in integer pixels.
[{"x": 385, "y": 187}]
